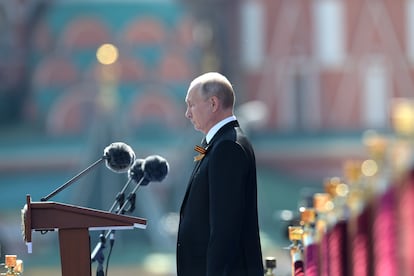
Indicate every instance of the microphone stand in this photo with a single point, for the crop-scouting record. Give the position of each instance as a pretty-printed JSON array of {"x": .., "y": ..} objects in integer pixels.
[
  {"x": 97, "y": 253},
  {"x": 76, "y": 177},
  {"x": 100, "y": 257}
]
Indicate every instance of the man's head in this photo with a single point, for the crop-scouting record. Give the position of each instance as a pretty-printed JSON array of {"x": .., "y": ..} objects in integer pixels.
[{"x": 210, "y": 99}]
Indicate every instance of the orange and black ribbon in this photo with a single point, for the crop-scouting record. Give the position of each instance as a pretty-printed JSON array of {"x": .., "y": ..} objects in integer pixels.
[{"x": 202, "y": 152}]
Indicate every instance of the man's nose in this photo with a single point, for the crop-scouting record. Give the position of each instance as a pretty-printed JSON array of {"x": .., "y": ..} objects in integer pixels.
[{"x": 187, "y": 114}]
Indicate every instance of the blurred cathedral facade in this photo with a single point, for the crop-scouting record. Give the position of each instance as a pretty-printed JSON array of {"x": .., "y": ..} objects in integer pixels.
[{"x": 322, "y": 65}]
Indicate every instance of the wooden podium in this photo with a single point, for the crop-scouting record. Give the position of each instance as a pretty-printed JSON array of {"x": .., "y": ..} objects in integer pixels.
[{"x": 73, "y": 224}]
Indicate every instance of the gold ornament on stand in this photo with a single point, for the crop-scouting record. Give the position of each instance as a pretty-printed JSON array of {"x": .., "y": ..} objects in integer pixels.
[
  {"x": 296, "y": 249},
  {"x": 13, "y": 266},
  {"x": 402, "y": 151}
]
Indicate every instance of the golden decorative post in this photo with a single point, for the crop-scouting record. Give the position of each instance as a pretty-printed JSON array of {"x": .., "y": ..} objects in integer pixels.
[
  {"x": 323, "y": 207},
  {"x": 402, "y": 157},
  {"x": 13, "y": 266},
  {"x": 296, "y": 250},
  {"x": 310, "y": 247}
]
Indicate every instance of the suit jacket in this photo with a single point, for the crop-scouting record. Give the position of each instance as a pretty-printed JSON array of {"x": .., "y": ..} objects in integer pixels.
[{"x": 218, "y": 233}]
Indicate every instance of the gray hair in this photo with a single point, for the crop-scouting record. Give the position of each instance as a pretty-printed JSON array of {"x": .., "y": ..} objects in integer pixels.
[{"x": 215, "y": 84}]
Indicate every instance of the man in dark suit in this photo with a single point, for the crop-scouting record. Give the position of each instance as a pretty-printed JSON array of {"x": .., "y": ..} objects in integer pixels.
[{"x": 218, "y": 233}]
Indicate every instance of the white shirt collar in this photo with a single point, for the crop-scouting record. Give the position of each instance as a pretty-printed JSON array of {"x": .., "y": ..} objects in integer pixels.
[{"x": 217, "y": 126}]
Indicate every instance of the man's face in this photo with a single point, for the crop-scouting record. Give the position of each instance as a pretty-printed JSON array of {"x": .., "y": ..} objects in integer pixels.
[{"x": 198, "y": 109}]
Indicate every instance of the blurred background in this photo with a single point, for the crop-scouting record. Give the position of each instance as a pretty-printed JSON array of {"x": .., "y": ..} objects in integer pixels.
[{"x": 311, "y": 77}]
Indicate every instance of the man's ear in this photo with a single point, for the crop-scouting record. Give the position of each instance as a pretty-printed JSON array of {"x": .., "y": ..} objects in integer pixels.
[{"x": 214, "y": 103}]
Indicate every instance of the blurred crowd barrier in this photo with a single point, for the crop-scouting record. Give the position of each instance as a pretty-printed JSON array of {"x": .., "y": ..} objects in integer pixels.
[{"x": 362, "y": 223}]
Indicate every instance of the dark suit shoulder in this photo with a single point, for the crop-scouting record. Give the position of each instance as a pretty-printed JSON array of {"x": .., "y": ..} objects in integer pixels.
[
  {"x": 228, "y": 151},
  {"x": 226, "y": 145}
]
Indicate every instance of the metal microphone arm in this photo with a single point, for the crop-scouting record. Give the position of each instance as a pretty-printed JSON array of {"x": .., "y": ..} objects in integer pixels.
[
  {"x": 121, "y": 209},
  {"x": 120, "y": 197},
  {"x": 131, "y": 197},
  {"x": 76, "y": 177}
]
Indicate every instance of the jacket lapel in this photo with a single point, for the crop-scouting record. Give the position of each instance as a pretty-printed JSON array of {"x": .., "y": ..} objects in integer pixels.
[
  {"x": 222, "y": 130},
  {"x": 196, "y": 166}
]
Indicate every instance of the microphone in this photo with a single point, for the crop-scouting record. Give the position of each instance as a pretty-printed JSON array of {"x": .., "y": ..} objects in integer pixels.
[
  {"x": 152, "y": 168},
  {"x": 155, "y": 169},
  {"x": 136, "y": 172},
  {"x": 142, "y": 172},
  {"x": 118, "y": 157}
]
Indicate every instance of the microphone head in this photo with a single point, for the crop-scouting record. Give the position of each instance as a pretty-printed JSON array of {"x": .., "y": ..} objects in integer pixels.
[
  {"x": 119, "y": 157},
  {"x": 155, "y": 168},
  {"x": 136, "y": 172}
]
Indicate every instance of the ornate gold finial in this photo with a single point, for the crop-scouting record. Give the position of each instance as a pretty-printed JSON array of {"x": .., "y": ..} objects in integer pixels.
[
  {"x": 307, "y": 216},
  {"x": 295, "y": 233},
  {"x": 402, "y": 116},
  {"x": 352, "y": 170},
  {"x": 322, "y": 202},
  {"x": 13, "y": 265}
]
